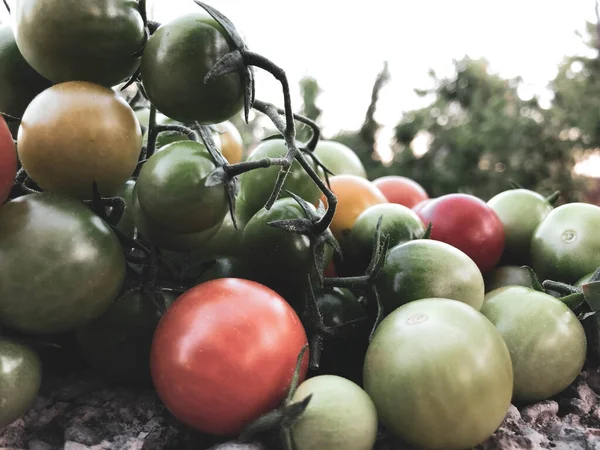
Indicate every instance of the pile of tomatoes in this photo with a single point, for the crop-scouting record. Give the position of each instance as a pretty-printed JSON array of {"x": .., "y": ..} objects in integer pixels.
[{"x": 425, "y": 316}]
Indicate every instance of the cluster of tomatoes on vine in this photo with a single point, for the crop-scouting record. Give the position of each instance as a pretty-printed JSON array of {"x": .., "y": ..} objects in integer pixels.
[{"x": 138, "y": 226}]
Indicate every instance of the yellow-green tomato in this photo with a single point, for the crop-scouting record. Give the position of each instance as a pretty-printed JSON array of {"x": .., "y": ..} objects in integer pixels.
[
  {"x": 440, "y": 374},
  {"x": 75, "y": 133},
  {"x": 340, "y": 415},
  {"x": 547, "y": 343}
]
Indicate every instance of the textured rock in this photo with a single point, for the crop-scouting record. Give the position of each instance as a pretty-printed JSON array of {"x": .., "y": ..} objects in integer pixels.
[{"x": 82, "y": 412}]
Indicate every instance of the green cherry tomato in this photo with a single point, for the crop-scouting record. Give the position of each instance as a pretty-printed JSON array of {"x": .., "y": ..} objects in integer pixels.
[
  {"x": 75, "y": 133},
  {"x": 19, "y": 83},
  {"x": 280, "y": 259},
  {"x": 503, "y": 276},
  {"x": 172, "y": 193},
  {"x": 425, "y": 268},
  {"x": 177, "y": 58},
  {"x": 225, "y": 267},
  {"x": 340, "y": 415},
  {"x": 20, "y": 380},
  {"x": 340, "y": 159},
  {"x": 440, "y": 375},
  {"x": 118, "y": 342},
  {"x": 156, "y": 234},
  {"x": 59, "y": 256},
  {"x": 400, "y": 223},
  {"x": 547, "y": 343},
  {"x": 520, "y": 211},
  {"x": 73, "y": 40},
  {"x": 257, "y": 185},
  {"x": 566, "y": 244}
]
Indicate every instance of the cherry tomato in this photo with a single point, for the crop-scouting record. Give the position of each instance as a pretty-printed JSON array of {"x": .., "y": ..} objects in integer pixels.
[
  {"x": 157, "y": 235},
  {"x": 401, "y": 190},
  {"x": 95, "y": 41},
  {"x": 469, "y": 224},
  {"x": 399, "y": 222},
  {"x": 440, "y": 375},
  {"x": 547, "y": 343},
  {"x": 20, "y": 379},
  {"x": 340, "y": 159},
  {"x": 566, "y": 245},
  {"x": 425, "y": 268},
  {"x": 60, "y": 264},
  {"x": 256, "y": 186},
  {"x": 355, "y": 194},
  {"x": 19, "y": 83},
  {"x": 419, "y": 206},
  {"x": 172, "y": 193},
  {"x": 8, "y": 161},
  {"x": 224, "y": 353},
  {"x": 75, "y": 133},
  {"x": 177, "y": 58},
  {"x": 340, "y": 415},
  {"x": 520, "y": 211},
  {"x": 232, "y": 146}
]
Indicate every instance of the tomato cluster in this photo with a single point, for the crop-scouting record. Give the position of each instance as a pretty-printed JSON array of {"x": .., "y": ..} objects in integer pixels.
[{"x": 273, "y": 290}]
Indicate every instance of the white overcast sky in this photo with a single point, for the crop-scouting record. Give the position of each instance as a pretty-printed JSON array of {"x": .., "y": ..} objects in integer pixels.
[{"x": 343, "y": 44}]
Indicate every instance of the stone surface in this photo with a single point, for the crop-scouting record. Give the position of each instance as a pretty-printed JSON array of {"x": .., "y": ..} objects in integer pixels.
[{"x": 82, "y": 412}]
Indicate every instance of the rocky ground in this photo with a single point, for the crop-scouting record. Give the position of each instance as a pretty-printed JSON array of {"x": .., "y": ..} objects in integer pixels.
[{"x": 80, "y": 412}]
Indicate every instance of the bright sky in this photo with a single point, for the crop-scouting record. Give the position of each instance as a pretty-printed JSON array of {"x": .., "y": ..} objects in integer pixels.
[{"x": 343, "y": 45}]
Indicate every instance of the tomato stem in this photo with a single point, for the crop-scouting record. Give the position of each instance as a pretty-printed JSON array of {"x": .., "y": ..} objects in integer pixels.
[
  {"x": 553, "y": 198},
  {"x": 152, "y": 133}
]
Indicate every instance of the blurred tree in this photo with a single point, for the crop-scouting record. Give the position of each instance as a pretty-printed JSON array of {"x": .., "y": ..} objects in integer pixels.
[
  {"x": 478, "y": 135},
  {"x": 310, "y": 91},
  {"x": 363, "y": 141}
]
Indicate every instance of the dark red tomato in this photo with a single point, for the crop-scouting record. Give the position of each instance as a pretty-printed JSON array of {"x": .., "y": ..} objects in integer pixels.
[
  {"x": 469, "y": 224},
  {"x": 224, "y": 353},
  {"x": 401, "y": 190},
  {"x": 8, "y": 161}
]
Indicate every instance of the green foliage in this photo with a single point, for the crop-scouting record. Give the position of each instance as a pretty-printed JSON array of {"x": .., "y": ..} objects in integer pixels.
[{"x": 482, "y": 136}]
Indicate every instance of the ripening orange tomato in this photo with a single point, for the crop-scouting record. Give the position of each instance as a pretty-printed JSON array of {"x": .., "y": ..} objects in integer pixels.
[
  {"x": 232, "y": 146},
  {"x": 354, "y": 194}
]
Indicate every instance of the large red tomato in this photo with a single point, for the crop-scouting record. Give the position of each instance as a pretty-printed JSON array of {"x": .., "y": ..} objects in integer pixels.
[
  {"x": 8, "y": 161},
  {"x": 401, "y": 190},
  {"x": 469, "y": 224},
  {"x": 224, "y": 353}
]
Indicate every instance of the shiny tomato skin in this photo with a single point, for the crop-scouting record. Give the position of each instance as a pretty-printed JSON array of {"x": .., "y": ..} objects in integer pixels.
[
  {"x": 440, "y": 375},
  {"x": 72, "y": 40},
  {"x": 224, "y": 353},
  {"x": 565, "y": 246},
  {"x": 339, "y": 158},
  {"x": 20, "y": 379},
  {"x": 8, "y": 161},
  {"x": 177, "y": 58},
  {"x": 60, "y": 264},
  {"x": 75, "y": 133},
  {"x": 401, "y": 190},
  {"x": 469, "y": 224}
]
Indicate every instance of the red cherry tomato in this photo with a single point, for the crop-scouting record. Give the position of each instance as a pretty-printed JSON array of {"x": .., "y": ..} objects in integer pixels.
[
  {"x": 419, "y": 206},
  {"x": 469, "y": 224},
  {"x": 224, "y": 353},
  {"x": 8, "y": 161},
  {"x": 401, "y": 190}
]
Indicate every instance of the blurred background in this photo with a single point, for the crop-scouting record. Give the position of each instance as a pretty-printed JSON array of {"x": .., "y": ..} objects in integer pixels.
[{"x": 462, "y": 96}]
